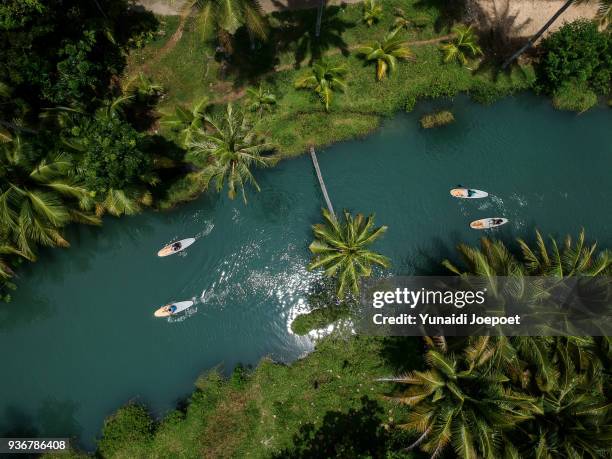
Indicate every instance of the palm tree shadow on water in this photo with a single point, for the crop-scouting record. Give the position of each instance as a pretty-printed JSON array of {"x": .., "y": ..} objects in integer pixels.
[{"x": 358, "y": 432}]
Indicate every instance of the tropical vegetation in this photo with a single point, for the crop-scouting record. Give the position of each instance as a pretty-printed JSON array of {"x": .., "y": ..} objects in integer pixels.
[
  {"x": 372, "y": 12},
  {"x": 576, "y": 64},
  {"x": 385, "y": 53},
  {"x": 225, "y": 18},
  {"x": 228, "y": 153},
  {"x": 341, "y": 249},
  {"x": 324, "y": 80},
  {"x": 463, "y": 46}
]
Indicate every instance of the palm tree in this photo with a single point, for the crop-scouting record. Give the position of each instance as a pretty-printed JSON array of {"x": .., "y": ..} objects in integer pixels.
[
  {"x": 567, "y": 375},
  {"x": 38, "y": 198},
  {"x": 462, "y": 399},
  {"x": 372, "y": 12},
  {"x": 227, "y": 17},
  {"x": 324, "y": 80},
  {"x": 186, "y": 121},
  {"x": 569, "y": 260},
  {"x": 260, "y": 100},
  {"x": 386, "y": 53},
  {"x": 128, "y": 201},
  {"x": 229, "y": 152},
  {"x": 464, "y": 45},
  {"x": 341, "y": 249}
]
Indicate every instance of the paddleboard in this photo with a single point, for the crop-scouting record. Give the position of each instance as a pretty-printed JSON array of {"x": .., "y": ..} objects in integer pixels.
[
  {"x": 468, "y": 193},
  {"x": 175, "y": 247},
  {"x": 487, "y": 223},
  {"x": 164, "y": 311}
]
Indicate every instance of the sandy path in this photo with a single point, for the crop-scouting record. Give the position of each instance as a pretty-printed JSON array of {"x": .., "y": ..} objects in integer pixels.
[{"x": 523, "y": 18}]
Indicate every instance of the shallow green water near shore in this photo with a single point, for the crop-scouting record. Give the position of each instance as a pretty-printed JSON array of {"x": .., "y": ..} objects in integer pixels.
[{"x": 80, "y": 339}]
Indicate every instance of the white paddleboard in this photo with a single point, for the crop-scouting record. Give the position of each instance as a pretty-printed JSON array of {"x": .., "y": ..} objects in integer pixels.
[
  {"x": 468, "y": 193},
  {"x": 175, "y": 247},
  {"x": 487, "y": 223},
  {"x": 167, "y": 310}
]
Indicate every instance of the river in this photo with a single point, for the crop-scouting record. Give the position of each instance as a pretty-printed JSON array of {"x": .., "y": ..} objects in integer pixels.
[{"x": 80, "y": 338}]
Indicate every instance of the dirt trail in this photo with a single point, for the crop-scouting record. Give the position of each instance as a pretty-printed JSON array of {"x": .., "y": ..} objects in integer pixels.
[{"x": 171, "y": 43}]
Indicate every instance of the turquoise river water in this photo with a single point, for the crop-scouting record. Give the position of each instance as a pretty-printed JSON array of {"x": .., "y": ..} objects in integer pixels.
[{"x": 80, "y": 338}]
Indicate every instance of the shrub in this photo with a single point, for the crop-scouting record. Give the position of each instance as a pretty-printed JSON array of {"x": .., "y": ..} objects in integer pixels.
[
  {"x": 112, "y": 153},
  {"x": 318, "y": 318},
  {"x": 411, "y": 101},
  {"x": 437, "y": 119},
  {"x": 579, "y": 54},
  {"x": 574, "y": 97},
  {"x": 130, "y": 426}
]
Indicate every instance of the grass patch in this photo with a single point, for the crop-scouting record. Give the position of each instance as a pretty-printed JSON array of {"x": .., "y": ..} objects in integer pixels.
[
  {"x": 436, "y": 119},
  {"x": 274, "y": 410},
  {"x": 574, "y": 97}
]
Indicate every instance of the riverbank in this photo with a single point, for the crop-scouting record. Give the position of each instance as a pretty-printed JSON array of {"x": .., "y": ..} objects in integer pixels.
[
  {"x": 189, "y": 71},
  {"x": 316, "y": 404}
]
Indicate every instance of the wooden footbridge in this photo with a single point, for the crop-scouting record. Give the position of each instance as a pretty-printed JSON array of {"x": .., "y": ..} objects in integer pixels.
[{"x": 313, "y": 156}]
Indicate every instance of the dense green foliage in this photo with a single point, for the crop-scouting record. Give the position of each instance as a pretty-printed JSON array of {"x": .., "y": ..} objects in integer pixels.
[
  {"x": 112, "y": 153},
  {"x": 73, "y": 48},
  {"x": 486, "y": 397},
  {"x": 577, "y": 54},
  {"x": 130, "y": 427},
  {"x": 66, "y": 154}
]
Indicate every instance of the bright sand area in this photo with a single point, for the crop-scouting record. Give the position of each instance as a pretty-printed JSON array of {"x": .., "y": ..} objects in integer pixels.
[{"x": 521, "y": 18}]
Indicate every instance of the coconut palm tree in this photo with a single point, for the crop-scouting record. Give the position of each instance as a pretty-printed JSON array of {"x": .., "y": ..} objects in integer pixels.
[
  {"x": 569, "y": 260},
  {"x": 260, "y": 100},
  {"x": 325, "y": 79},
  {"x": 227, "y": 17},
  {"x": 463, "y": 400},
  {"x": 340, "y": 248},
  {"x": 386, "y": 53},
  {"x": 129, "y": 201},
  {"x": 463, "y": 46},
  {"x": 186, "y": 121},
  {"x": 372, "y": 12},
  {"x": 38, "y": 198},
  {"x": 229, "y": 152},
  {"x": 575, "y": 418}
]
